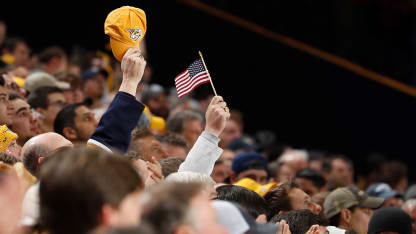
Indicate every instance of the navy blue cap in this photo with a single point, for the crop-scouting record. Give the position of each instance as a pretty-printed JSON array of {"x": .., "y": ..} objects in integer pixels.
[
  {"x": 390, "y": 219},
  {"x": 239, "y": 144},
  {"x": 93, "y": 72},
  {"x": 382, "y": 190},
  {"x": 249, "y": 160}
]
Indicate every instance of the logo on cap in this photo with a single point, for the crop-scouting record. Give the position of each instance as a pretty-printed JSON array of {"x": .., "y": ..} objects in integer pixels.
[{"x": 135, "y": 33}]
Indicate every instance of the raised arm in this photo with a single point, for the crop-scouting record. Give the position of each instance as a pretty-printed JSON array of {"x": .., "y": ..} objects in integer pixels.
[
  {"x": 121, "y": 117},
  {"x": 201, "y": 158}
]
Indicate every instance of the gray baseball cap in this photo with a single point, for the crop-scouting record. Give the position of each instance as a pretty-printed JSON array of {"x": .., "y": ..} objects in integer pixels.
[
  {"x": 43, "y": 79},
  {"x": 347, "y": 197}
]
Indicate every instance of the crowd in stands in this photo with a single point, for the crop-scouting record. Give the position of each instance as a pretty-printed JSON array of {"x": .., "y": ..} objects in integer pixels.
[{"x": 89, "y": 144}]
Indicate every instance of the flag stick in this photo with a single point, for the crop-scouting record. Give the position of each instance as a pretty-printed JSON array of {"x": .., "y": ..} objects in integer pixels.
[{"x": 205, "y": 66}]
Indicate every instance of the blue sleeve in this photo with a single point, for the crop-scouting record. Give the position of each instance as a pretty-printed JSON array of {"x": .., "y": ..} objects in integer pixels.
[{"x": 117, "y": 122}]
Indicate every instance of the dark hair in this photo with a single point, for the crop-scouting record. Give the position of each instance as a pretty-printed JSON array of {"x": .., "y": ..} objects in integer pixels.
[
  {"x": 170, "y": 165},
  {"x": 142, "y": 229},
  {"x": 31, "y": 157},
  {"x": 300, "y": 221},
  {"x": 75, "y": 185},
  {"x": 396, "y": 172},
  {"x": 14, "y": 96},
  {"x": 9, "y": 159},
  {"x": 315, "y": 176},
  {"x": 278, "y": 198},
  {"x": 65, "y": 118},
  {"x": 169, "y": 205},
  {"x": 252, "y": 202},
  {"x": 171, "y": 138},
  {"x": 11, "y": 43},
  {"x": 47, "y": 54},
  {"x": 2, "y": 82},
  {"x": 39, "y": 98}
]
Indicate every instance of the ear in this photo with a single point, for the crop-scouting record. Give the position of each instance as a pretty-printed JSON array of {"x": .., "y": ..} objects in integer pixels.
[
  {"x": 40, "y": 160},
  {"x": 346, "y": 216},
  {"x": 107, "y": 216},
  {"x": 183, "y": 229},
  {"x": 70, "y": 133}
]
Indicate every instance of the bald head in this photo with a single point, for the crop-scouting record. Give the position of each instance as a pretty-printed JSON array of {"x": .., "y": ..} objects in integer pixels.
[
  {"x": 39, "y": 147},
  {"x": 296, "y": 159}
]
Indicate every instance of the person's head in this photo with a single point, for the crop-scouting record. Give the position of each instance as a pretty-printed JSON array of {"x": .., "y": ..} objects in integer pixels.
[
  {"x": 74, "y": 94},
  {"x": 410, "y": 208},
  {"x": 181, "y": 208},
  {"x": 310, "y": 181},
  {"x": 41, "y": 79},
  {"x": 391, "y": 197},
  {"x": 112, "y": 185},
  {"x": 187, "y": 123},
  {"x": 397, "y": 176},
  {"x": 390, "y": 220},
  {"x": 296, "y": 159},
  {"x": 47, "y": 101},
  {"x": 154, "y": 97},
  {"x": 300, "y": 221},
  {"x": 221, "y": 172},
  {"x": 6, "y": 110},
  {"x": 76, "y": 122},
  {"x": 17, "y": 48},
  {"x": 39, "y": 147},
  {"x": 24, "y": 123},
  {"x": 94, "y": 82},
  {"x": 338, "y": 171},
  {"x": 54, "y": 60},
  {"x": 350, "y": 208},
  {"x": 233, "y": 128},
  {"x": 170, "y": 165},
  {"x": 288, "y": 196},
  {"x": 249, "y": 165},
  {"x": 145, "y": 144},
  {"x": 254, "y": 204},
  {"x": 173, "y": 144}
]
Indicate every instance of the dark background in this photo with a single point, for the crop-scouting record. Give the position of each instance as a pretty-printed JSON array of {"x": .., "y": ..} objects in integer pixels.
[{"x": 309, "y": 103}]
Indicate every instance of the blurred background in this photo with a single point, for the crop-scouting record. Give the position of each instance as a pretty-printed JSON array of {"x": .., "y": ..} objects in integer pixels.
[{"x": 306, "y": 101}]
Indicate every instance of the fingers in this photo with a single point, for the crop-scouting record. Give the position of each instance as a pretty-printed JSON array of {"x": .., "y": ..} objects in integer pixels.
[{"x": 216, "y": 99}]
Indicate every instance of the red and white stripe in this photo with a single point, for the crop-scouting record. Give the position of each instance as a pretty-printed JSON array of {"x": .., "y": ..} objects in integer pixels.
[{"x": 185, "y": 84}]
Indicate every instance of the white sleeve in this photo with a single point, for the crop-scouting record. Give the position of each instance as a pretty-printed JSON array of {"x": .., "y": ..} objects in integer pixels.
[{"x": 203, "y": 155}]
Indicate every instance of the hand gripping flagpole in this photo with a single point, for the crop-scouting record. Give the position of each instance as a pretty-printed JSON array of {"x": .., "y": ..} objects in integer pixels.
[{"x": 205, "y": 66}]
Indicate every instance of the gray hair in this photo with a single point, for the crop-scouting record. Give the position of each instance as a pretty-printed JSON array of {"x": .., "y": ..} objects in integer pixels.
[
  {"x": 410, "y": 204},
  {"x": 176, "y": 122}
]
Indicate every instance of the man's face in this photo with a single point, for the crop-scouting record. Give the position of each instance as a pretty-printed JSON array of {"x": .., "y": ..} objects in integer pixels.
[
  {"x": 220, "y": 172},
  {"x": 159, "y": 105},
  {"x": 94, "y": 87},
  {"x": 150, "y": 147},
  {"x": 300, "y": 200},
  {"x": 24, "y": 123},
  {"x": 341, "y": 173},
  {"x": 231, "y": 132},
  {"x": 307, "y": 186},
  {"x": 85, "y": 123},
  {"x": 192, "y": 130},
  {"x": 258, "y": 175},
  {"x": 6, "y": 110},
  {"x": 393, "y": 202},
  {"x": 412, "y": 212},
  {"x": 21, "y": 54},
  {"x": 204, "y": 216},
  {"x": 360, "y": 218},
  {"x": 174, "y": 150},
  {"x": 56, "y": 101}
]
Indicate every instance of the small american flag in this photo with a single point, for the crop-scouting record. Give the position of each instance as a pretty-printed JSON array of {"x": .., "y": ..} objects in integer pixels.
[{"x": 192, "y": 77}]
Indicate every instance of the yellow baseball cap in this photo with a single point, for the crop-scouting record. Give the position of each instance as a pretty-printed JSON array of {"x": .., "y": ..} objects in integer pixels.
[
  {"x": 126, "y": 27},
  {"x": 256, "y": 187},
  {"x": 6, "y": 137}
]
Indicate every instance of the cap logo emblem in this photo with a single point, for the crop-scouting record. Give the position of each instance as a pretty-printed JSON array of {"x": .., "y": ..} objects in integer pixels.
[{"x": 135, "y": 33}]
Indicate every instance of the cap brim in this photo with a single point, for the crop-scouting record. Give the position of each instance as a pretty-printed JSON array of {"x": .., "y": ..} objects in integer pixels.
[
  {"x": 63, "y": 85},
  {"x": 119, "y": 48},
  {"x": 371, "y": 202}
]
